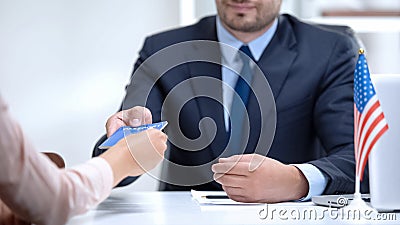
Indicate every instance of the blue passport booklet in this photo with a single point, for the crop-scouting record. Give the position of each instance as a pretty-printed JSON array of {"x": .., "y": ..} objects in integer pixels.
[{"x": 127, "y": 130}]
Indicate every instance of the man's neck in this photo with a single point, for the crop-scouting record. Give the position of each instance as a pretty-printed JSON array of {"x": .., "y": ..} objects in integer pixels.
[{"x": 247, "y": 37}]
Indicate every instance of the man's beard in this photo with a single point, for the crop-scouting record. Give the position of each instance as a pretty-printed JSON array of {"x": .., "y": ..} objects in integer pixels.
[{"x": 237, "y": 23}]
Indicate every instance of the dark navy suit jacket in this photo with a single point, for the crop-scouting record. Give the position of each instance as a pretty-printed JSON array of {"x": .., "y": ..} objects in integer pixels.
[{"x": 310, "y": 70}]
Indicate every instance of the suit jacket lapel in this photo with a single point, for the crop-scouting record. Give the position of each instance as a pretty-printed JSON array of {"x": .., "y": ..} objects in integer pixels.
[
  {"x": 278, "y": 57},
  {"x": 275, "y": 63}
]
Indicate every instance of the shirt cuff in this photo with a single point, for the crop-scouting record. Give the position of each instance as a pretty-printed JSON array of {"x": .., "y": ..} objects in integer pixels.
[{"x": 317, "y": 181}]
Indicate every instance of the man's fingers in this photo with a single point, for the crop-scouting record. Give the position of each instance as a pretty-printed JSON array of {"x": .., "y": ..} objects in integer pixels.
[
  {"x": 230, "y": 180},
  {"x": 233, "y": 191},
  {"x": 236, "y": 194},
  {"x": 235, "y": 168},
  {"x": 254, "y": 160},
  {"x": 236, "y": 158},
  {"x": 140, "y": 113},
  {"x": 133, "y": 117},
  {"x": 135, "y": 123}
]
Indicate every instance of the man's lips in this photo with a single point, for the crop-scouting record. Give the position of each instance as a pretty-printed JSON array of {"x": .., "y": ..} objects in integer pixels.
[{"x": 241, "y": 7}]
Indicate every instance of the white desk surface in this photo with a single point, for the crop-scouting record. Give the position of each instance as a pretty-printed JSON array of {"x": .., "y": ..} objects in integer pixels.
[{"x": 127, "y": 207}]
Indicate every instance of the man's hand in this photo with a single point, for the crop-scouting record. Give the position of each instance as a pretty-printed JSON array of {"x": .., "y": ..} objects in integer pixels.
[
  {"x": 134, "y": 117},
  {"x": 256, "y": 178}
]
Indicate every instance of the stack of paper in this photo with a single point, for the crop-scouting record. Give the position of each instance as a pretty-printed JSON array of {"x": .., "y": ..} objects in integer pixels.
[{"x": 215, "y": 198}]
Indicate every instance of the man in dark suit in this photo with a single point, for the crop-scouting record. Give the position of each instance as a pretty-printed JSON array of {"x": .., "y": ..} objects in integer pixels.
[{"x": 300, "y": 132}]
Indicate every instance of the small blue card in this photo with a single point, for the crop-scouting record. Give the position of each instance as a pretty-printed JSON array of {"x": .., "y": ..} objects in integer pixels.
[{"x": 127, "y": 130}]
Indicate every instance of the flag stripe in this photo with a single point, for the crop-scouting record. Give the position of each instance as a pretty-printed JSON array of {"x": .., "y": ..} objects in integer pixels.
[
  {"x": 372, "y": 124},
  {"x": 366, "y": 120},
  {"x": 381, "y": 132},
  {"x": 370, "y": 108},
  {"x": 369, "y": 140}
]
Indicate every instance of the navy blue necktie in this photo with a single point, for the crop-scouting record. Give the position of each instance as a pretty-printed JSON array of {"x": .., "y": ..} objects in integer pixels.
[
  {"x": 242, "y": 88},
  {"x": 238, "y": 108}
]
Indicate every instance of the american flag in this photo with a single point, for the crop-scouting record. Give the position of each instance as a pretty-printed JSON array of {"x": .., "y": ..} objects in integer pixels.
[{"x": 369, "y": 120}]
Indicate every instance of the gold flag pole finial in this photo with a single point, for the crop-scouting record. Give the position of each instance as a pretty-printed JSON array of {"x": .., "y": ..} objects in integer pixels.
[{"x": 361, "y": 51}]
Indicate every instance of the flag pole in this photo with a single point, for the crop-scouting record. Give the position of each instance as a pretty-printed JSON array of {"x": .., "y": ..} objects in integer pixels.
[
  {"x": 357, "y": 193},
  {"x": 358, "y": 202}
]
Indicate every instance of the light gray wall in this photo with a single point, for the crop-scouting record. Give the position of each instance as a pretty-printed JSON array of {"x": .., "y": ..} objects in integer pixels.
[{"x": 64, "y": 64}]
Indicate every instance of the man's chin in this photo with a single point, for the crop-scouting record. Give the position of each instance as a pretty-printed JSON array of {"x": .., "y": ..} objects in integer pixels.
[{"x": 242, "y": 27}]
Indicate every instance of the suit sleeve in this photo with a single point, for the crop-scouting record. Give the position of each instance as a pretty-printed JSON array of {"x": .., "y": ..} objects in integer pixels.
[
  {"x": 139, "y": 92},
  {"x": 334, "y": 123}
]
